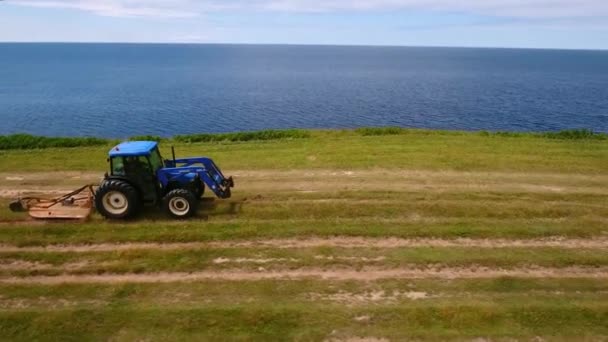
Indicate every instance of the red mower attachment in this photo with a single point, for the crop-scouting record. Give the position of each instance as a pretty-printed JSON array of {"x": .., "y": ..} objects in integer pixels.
[{"x": 76, "y": 205}]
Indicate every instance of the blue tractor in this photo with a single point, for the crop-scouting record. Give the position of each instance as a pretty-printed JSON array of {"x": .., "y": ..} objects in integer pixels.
[{"x": 139, "y": 177}]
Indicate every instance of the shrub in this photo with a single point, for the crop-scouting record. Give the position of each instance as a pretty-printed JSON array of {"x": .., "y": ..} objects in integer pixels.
[
  {"x": 367, "y": 131},
  {"x": 570, "y": 134},
  {"x": 575, "y": 134},
  {"x": 146, "y": 138},
  {"x": 509, "y": 134}
]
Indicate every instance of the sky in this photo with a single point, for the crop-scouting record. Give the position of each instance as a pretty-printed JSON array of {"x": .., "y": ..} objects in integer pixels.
[{"x": 564, "y": 24}]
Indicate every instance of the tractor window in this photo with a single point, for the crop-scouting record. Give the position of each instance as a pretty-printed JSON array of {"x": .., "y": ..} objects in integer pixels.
[
  {"x": 136, "y": 165},
  {"x": 156, "y": 160},
  {"x": 118, "y": 166}
]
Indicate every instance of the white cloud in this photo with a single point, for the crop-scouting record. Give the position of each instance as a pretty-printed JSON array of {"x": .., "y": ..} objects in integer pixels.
[
  {"x": 118, "y": 8},
  {"x": 518, "y": 8},
  {"x": 190, "y": 8}
]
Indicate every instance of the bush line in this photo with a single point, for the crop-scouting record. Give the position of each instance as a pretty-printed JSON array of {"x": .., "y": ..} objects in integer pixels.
[
  {"x": 27, "y": 141},
  {"x": 244, "y": 136},
  {"x": 569, "y": 134}
]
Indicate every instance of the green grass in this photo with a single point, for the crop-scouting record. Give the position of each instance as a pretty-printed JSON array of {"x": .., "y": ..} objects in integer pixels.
[
  {"x": 304, "y": 310},
  {"x": 367, "y": 183},
  {"x": 351, "y": 150},
  {"x": 570, "y": 321}
]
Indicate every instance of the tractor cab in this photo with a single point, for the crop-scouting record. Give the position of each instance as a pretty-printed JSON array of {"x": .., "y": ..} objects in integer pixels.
[
  {"x": 137, "y": 162},
  {"x": 135, "y": 157},
  {"x": 139, "y": 176}
]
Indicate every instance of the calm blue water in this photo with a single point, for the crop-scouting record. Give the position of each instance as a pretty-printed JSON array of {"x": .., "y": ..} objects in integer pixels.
[{"x": 115, "y": 90}]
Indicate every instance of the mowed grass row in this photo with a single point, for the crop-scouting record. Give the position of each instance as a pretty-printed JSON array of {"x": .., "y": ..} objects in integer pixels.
[
  {"x": 204, "y": 231},
  {"x": 273, "y": 259},
  {"x": 555, "y": 309},
  {"x": 446, "y": 203},
  {"x": 277, "y": 214},
  {"x": 350, "y": 293},
  {"x": 349, "y": 150},
  {"x": 371, "y": 214},
  {"x": 406, "y": 209}
]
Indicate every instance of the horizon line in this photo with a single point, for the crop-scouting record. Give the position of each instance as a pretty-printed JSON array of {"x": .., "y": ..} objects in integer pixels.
[{"x": 309, "y": 44}]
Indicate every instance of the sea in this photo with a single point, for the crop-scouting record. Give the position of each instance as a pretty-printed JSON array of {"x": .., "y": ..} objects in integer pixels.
[{"x": 123, "y": 90}]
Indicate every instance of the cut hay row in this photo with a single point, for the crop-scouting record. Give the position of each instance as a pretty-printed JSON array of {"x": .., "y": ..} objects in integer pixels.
[
  {"x": 312, "y": 273},
  {"x": 315, "y": 242}
]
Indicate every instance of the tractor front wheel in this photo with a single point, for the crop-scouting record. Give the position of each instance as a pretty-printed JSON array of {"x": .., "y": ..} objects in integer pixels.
[
  {"x": 180, "y": 203},
  {"x": 116, "y": 199},
  {"x": 200, "y": 190}
]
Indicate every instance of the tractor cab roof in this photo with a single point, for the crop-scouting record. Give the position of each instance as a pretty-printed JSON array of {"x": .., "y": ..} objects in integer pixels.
[{"x": 133, "y": 149}]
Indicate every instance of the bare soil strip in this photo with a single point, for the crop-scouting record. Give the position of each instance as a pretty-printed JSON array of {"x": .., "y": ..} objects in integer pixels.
[
  {"x": 369, "y": 274},
  {"x": 322, "y": 173},
  {"x": 339, "y": 242}
]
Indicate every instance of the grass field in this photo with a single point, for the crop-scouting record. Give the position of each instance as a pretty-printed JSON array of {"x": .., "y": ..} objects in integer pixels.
[{"x": 365, "y": 235}]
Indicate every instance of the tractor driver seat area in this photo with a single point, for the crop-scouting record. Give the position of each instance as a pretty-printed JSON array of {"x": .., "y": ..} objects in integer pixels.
[{"x": 134, "y": 166}]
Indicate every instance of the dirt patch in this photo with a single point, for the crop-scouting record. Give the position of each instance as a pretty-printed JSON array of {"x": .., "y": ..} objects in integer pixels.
[
  {"x": 337, "y": 242},
  {"x": 370, "y": 297},
  {"x": 365, "y": 274},
  {"x": 357, "y": 339},
  {"x": 47, "y": 303},
  {"x": 364, "y": 318},
  {"x": 22, "y": 265},
  {"x": 349, "y": 258},
  {"x": 222, "y": 260}
]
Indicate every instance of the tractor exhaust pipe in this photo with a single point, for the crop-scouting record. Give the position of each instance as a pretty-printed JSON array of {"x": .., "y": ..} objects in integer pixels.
[{"x": 173, "y": 154}]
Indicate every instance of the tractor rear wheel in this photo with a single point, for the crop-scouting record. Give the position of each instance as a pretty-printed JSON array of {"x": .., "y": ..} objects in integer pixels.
[
  {"x": 180, "y": 203},
  {"x": 116, "y": 199}
]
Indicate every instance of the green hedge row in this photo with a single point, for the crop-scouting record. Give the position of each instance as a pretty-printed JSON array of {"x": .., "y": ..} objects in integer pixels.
[
  {"x": 375, "y": 131},
  {"x": 570, "y": 134},
  {"x": 26, "y": 141},
  {"x": 244, "y": 136}
]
